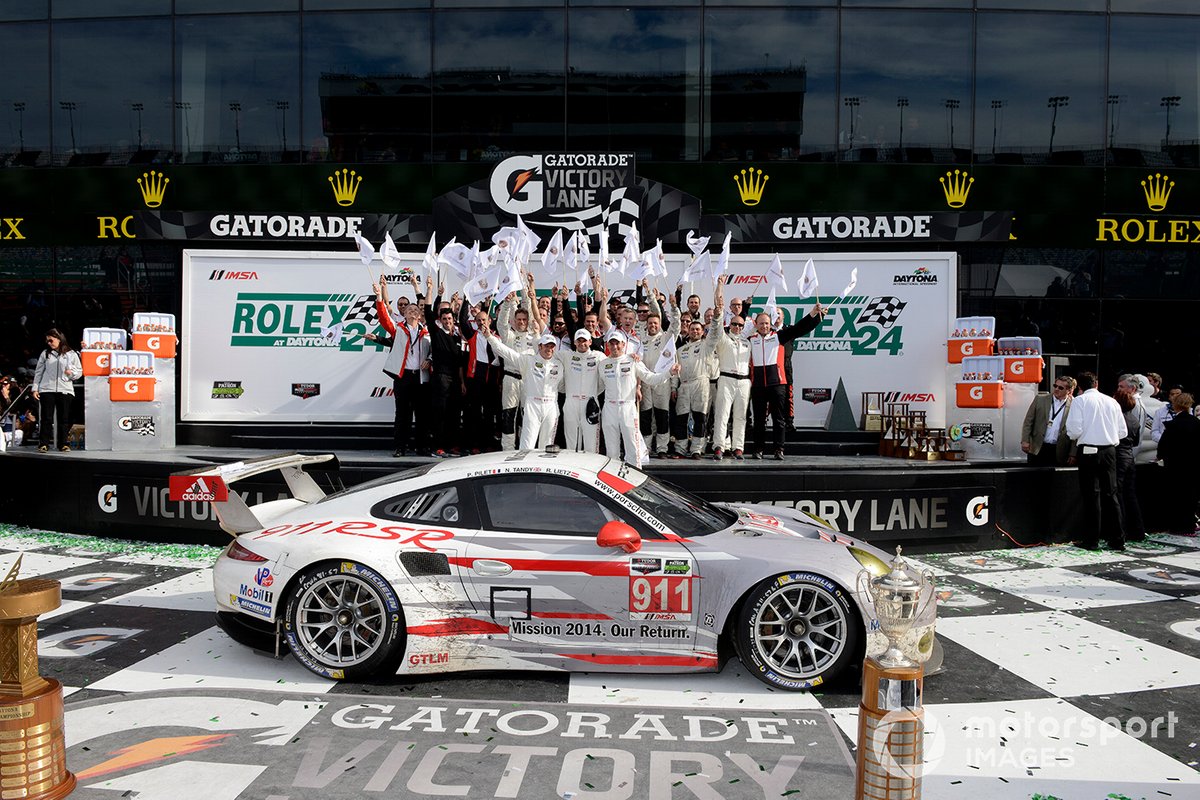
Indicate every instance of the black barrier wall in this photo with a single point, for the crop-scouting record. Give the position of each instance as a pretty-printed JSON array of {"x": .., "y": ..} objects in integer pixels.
[{"x": 932, "y": 509}]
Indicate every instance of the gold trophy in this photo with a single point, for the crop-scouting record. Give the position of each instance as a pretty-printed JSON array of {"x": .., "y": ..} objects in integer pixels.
[
  {"x": 33, "y": 751},
  {"x": 890, "y": 718}
]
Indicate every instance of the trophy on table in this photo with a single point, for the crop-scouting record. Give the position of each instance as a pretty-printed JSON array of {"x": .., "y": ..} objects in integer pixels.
[{"x": 890, "y": 717}]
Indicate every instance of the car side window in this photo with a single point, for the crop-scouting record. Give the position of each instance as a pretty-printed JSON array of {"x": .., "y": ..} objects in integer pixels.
[
  {"x": 541, "y": 505},
  {"x": 444, "y": 504}
]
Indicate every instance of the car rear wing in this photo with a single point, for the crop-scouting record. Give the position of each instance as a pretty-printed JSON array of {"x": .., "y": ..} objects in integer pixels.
[{"x": 234, "y": 515}]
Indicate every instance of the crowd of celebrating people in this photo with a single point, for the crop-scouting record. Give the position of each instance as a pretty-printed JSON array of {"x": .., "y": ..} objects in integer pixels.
[
  {"x": 1106, "y": 437},
  {"x": 661, "y": 378}
]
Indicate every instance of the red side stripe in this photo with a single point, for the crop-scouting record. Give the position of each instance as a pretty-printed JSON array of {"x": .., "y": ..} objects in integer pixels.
[
  {"x": 605, "y": 568},
  {"x": 456, "y": 627},
  {"x": 702, "y": 660}
]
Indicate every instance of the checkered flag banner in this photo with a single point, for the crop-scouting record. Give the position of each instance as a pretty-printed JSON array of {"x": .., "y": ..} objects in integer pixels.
[
  {"x": 987, "y": 437},
  {"x": 883, "y": 310},
  {"x": 145, "y": 429},
  {"x": 363, "y": 309},
  {"x": 626, "y": 296}
]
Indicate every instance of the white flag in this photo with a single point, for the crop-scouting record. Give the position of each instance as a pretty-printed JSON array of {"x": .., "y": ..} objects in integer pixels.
[
  {"x": 808, "y": 280},
  {"x": 633, "y": 248},
  {"x": 853, "y": 282},
  {"x": 388, "y": 252},
  {"x": 510, "y": 278},
  {"x": 527, "y": 241},
  {"x": 700, "y": 269},
  {"x": 585, "y": 280},
  {"x": 459, "y": 258},
  {"x": 640, "y": 269},
  {"x": 365, "y": 251},
  {"x": 771, "y": 307},
  {"x": 775, "y": 275},
  {"x": 430, "y": 261},
  {"x": 552, "y": 257},
  {"x": 696, "y": 243},
  {"x": 332, "y": 334},
  {"x": 723, "y": 259},
  {"x": 482, "y": 285},
  {"x": 506, "y": 238},
  {"x": 666, "y": 359},
  {"x": 571, "y": 254}
]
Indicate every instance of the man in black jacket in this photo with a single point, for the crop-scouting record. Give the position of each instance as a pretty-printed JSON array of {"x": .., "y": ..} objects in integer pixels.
[
  {"x": 768, "y": 378},
  {"x": 446, "y": 355}
]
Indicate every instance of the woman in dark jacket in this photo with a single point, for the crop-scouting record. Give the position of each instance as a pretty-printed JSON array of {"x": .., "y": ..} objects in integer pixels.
[
  {"x": 57, "y": 368},
  {"x": 1179, "y": 449}
]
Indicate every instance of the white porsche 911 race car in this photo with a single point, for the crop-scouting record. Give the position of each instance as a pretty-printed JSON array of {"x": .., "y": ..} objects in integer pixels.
[{"x": 539, "y": 560}]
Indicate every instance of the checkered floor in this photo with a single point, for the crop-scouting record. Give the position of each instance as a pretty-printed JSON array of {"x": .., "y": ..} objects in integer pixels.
[{"x": 1068, "y": 673}]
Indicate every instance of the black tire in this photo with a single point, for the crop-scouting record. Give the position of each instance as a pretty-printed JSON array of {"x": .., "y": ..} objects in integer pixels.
[
  {"x": 343, "y": 621},
  {"x": 797, "y": 630}
]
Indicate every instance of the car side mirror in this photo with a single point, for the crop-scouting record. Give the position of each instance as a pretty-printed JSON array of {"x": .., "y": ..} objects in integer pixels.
[{"x": 619, "y": 534}]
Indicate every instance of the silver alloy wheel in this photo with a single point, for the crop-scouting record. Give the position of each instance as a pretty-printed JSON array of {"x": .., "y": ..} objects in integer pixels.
[
  {"x": 340, "y": 620},
  {"x": 800, "y": 630}
]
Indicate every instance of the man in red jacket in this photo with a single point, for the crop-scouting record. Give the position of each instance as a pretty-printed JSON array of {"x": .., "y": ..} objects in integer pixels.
[{"x": 768, "y": 378}]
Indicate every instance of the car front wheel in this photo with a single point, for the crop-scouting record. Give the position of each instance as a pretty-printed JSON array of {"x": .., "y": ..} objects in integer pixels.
[
  {"x": 797, "y": 630},
  {"x": 344, "y": 621}
]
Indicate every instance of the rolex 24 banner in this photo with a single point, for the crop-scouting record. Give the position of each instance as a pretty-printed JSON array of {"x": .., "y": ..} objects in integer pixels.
[{"x": 278, "y": 336}]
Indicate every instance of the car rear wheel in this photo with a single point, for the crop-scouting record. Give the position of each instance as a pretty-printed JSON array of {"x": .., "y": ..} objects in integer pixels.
[
  {"x": 344, "y": 621},
  {"x": 797, "y": 631}
]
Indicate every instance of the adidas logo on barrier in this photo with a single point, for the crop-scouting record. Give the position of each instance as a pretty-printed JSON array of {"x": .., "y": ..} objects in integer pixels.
[
  {"x": 956, "y": 186},
  {"x": 345, "y": 186},
  {"x": 154, "y": 186},
  {"x": 1157, "y": 191},
  {"x": 751, "y": 184}
]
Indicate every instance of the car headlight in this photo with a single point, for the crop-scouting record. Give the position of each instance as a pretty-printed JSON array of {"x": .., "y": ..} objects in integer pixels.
[{"x": 870, "y": 562}]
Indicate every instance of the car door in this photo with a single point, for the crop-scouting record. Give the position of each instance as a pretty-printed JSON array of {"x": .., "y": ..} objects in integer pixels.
[
  {"x": 438, "y": 520},
  {"x": 535, "y": 568}
]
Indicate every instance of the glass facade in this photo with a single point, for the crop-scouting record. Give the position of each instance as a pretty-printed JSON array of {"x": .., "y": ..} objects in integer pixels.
[{"x": 1059, "y": 109}]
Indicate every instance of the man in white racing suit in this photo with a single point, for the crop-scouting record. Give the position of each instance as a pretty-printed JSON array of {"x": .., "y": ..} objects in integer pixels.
[
  {"x": 655, "y": 408},
  {"x": 619, "y": 377},
  {"x": 581, "y": 383},
  {"x": 733, "y": 381},
  {"x": 697, "y": 365},
  {"x": 541, "y": 376},
  {"x": 516, "y": 333}
]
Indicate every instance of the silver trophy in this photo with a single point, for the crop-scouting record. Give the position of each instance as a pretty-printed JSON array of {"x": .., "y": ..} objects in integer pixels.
[{"x": 896, "y": 598}]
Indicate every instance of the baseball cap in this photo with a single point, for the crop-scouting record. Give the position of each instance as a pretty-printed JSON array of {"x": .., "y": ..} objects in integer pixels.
[
  {"x": 583, "y": 333},
  {"x": 617, "y": 336},
  {"x": 547, "y": 339}
]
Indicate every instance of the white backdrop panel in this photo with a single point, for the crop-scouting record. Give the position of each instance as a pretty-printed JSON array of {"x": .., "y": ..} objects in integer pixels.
[{"x": 256, "y": 331}]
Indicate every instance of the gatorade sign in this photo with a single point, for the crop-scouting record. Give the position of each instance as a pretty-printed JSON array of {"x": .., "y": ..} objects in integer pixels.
[
  {"x": 197, "y": 489},
  {"x": 976, "y": 392}
]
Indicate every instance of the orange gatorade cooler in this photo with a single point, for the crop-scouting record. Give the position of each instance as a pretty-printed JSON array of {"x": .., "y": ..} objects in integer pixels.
[
  {"x": 123, "y": 388},
  {"x": 97, "y": 346},
  {"x": 1023, "y": 369},
  {"x": 155, "y": 333},
  {"x": 131, "y": 376},
  {"x": 163, "y": 345},
  {"x": 958, "y": 349},
  {"x": 979, "y": 395}
]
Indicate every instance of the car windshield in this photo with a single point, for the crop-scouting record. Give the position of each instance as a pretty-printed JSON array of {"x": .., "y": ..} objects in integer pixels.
[
  {"x": 681, "y": 511},
  {"x": 415, "y": 472}
]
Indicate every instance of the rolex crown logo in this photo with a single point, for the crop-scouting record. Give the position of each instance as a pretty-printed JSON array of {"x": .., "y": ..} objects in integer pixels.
[
  {"x": 345, "y": 186},
  {"x": 751, "y": 184},
  {"x": 1157, "y": 188},
  {"x": 956, "y": 186},
  {"x": 154, "y": 186}
]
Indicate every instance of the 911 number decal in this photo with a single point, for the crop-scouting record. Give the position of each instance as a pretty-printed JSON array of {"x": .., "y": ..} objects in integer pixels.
[{"x": 661, "y": 597}]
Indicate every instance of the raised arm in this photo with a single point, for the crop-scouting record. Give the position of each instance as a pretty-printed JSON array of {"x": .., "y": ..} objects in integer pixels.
[
  {"x": 504, "y": 316},
  {"x": 381, "y": 306},
  {"x": 802, "y": 326},
  {"x": 536, "y": 323}
]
